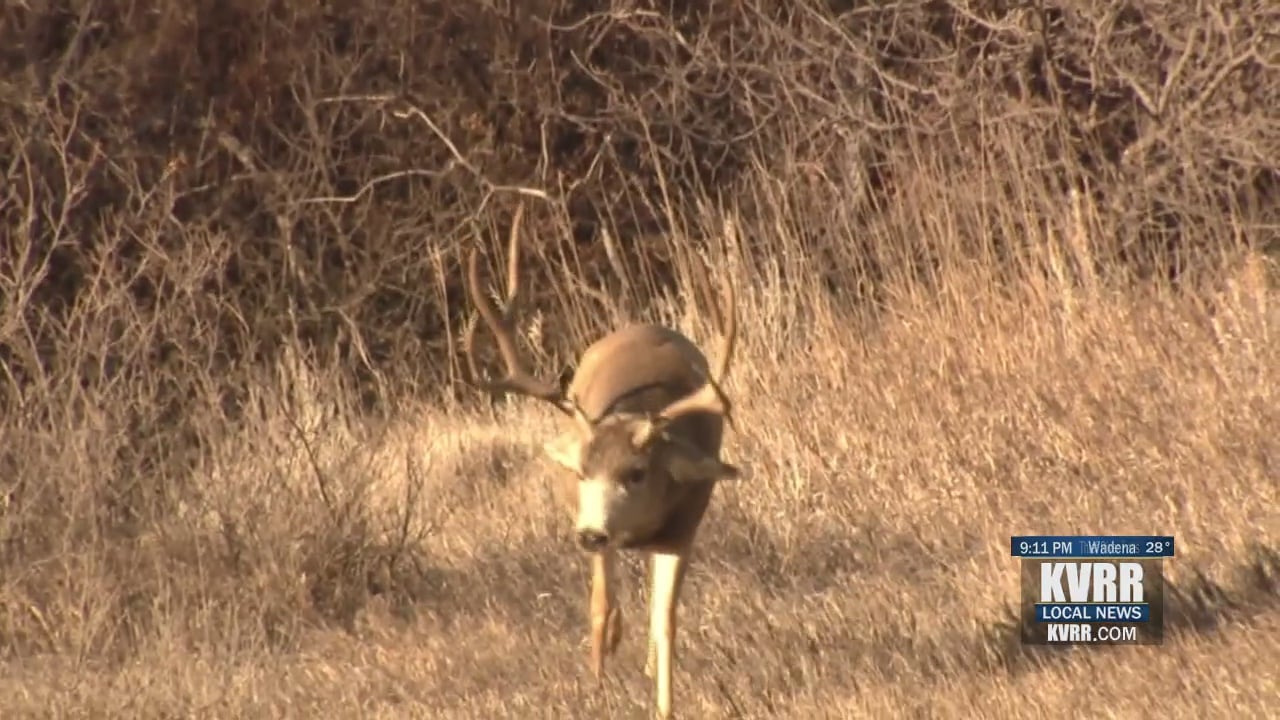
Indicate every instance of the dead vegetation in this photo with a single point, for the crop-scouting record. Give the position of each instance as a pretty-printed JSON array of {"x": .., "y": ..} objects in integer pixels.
[{"x": 1008, "y": 269}]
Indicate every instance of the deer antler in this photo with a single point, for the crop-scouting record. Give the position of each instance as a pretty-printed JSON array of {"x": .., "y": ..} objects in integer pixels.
[
  {"x": 710, "y": 397},
  {"x": 517, "y": 379}
]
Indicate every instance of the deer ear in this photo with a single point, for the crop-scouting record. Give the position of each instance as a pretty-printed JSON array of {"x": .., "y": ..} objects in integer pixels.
[
  {"x": 566, "y": 449},
  {"x": 702, "y": 468}
]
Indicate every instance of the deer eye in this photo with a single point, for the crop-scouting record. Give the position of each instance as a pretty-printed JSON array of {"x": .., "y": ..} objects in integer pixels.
[{"x": 634, "y": 476}]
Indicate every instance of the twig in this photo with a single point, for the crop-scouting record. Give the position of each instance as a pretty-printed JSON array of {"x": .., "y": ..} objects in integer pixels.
[
  {"x": 490, "y": 187},
  {"x": 368, "y": 186}
]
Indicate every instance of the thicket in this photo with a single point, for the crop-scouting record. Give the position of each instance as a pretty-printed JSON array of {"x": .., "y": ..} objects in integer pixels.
[{"x": 244, "y": 172}]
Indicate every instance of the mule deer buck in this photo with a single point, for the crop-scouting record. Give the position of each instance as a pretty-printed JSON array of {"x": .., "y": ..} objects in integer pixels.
[{"x": 642, "y": 454}]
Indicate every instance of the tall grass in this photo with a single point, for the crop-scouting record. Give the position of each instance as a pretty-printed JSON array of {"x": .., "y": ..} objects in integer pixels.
[
  {"x": 242, "y": 474},
  {"x": 1000, "y": 377}
]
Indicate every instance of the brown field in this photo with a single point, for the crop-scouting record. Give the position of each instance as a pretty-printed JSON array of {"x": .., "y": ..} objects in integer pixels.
[
  {"x": 861, "y": 571},
  {"x": 204, "y": 515}
]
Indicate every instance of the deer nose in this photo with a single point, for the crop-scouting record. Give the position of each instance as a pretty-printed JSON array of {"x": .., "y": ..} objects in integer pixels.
[{"x": 592, "y": 539}]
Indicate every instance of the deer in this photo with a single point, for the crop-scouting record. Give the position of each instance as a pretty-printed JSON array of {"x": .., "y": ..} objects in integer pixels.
[{"x": 640, "y": 459}]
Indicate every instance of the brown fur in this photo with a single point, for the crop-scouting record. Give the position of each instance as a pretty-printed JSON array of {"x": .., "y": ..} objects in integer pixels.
[
  {"x": 651, "y": 367},
  {"x": 641, "y": 459}
]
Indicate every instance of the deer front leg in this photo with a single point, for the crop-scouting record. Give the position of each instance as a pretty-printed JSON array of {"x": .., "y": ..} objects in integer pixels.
[
  {"x": 606, "y": 616},
  {"x": 667, "y": 575}
]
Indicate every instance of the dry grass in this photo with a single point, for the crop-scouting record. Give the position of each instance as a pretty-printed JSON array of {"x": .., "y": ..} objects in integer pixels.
[
  {"x": 204, "y": 514},
  {"x": 861, "y": 571}
]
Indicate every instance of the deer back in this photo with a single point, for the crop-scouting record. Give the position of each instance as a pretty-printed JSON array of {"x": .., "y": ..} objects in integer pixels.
[{"x": 640, "y": 369}]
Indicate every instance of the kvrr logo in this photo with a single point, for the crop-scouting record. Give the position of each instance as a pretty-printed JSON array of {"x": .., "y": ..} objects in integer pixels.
[{"x": 1096, "y": 581}]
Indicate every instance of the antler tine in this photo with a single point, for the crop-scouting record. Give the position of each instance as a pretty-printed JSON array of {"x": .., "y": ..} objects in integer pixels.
[
  {"x": 513, "y": 263},
  {"x": 728, "y": 319},
  {"x": 469, "y": 343},
  {"x": 727, "y": 311},
  {"x": 502, "y": 326},
  {"x": 710, "y": 397}
]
